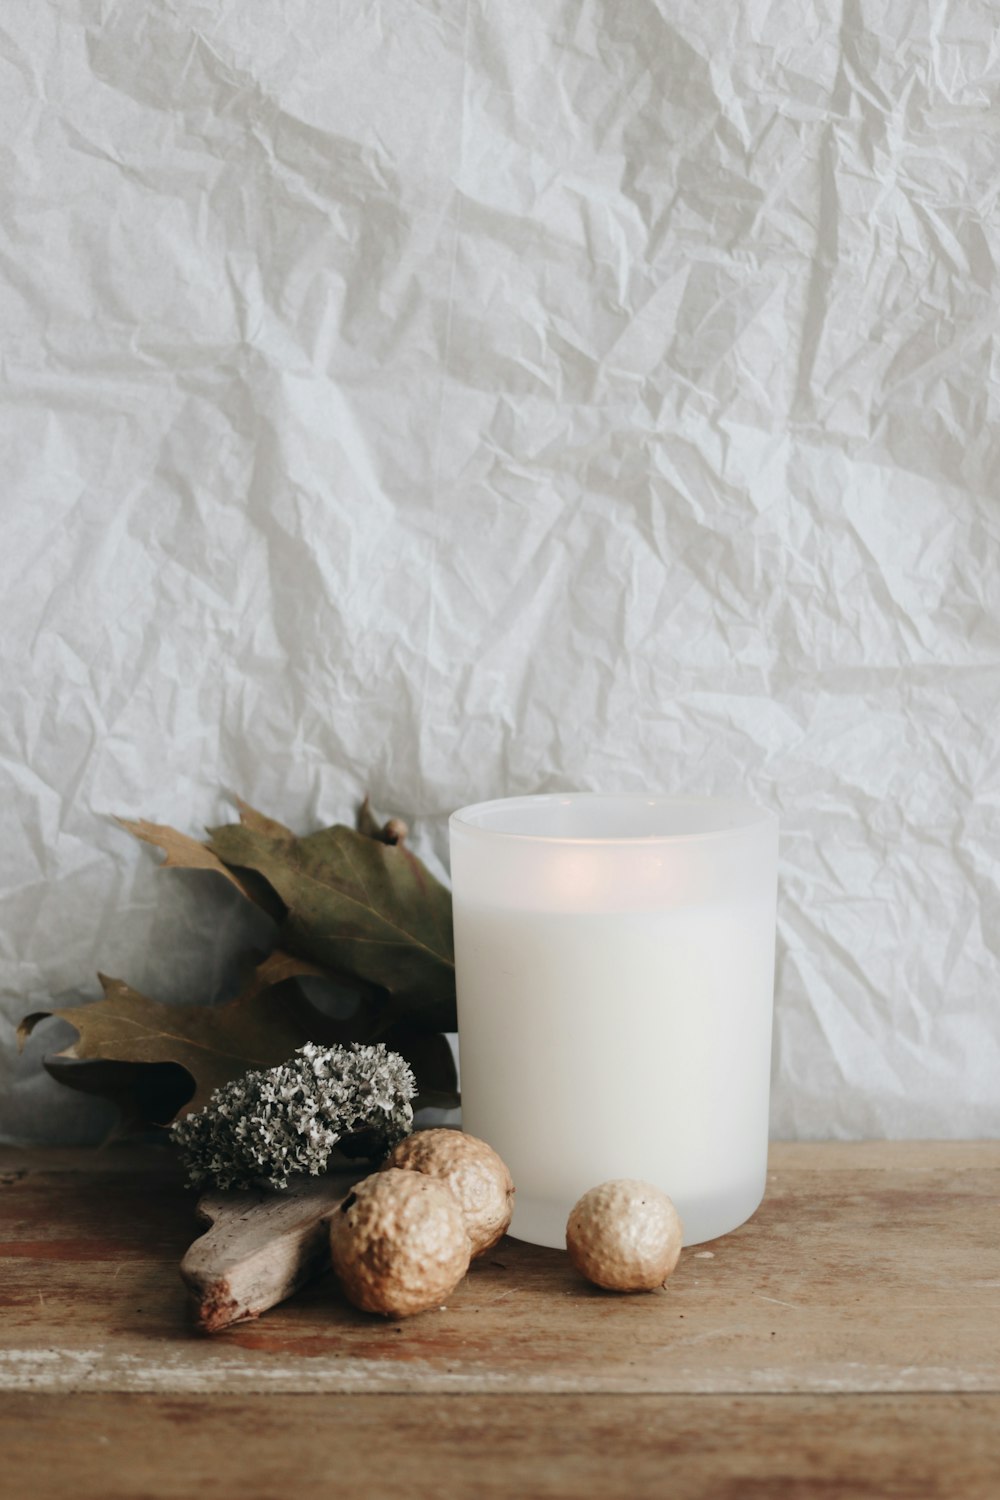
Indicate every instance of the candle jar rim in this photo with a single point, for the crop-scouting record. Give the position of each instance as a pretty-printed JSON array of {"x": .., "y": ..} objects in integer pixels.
[{"x": 741, "y": 815}]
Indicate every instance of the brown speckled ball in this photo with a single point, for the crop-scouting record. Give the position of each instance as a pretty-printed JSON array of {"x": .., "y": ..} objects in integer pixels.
[
  {"x": 475, "y": 1173},
  {"x": 398, "y": 1243},
  {"x": 625, "y": 1235}
]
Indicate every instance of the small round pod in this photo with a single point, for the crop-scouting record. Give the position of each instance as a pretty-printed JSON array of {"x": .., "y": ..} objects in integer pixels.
[
  {"x": 477, "y": 1176},
  {"x": 398, "y": 1244},
  {"x": 625, "y": 1235}
]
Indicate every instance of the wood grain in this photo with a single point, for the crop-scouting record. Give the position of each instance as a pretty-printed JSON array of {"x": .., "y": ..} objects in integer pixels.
[
  {"x": 842, "y": 1344},
  {"x": 867, "y": 1269},
  {"x": 560, "y": 1447}
]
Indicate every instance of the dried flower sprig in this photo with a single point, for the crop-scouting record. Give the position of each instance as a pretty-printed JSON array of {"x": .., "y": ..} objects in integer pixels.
[{"x": 275, "y": 1123}]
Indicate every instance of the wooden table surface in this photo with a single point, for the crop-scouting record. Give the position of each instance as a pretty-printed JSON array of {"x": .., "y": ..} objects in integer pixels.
[{"x": 845, "y": 1342}]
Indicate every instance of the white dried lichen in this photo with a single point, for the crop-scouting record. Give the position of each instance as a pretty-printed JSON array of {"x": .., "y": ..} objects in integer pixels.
[{"x": 277, "y": 1123}]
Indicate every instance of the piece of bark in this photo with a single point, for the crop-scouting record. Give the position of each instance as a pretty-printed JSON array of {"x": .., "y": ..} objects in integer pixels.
[{"x": 261, "y": 1247}]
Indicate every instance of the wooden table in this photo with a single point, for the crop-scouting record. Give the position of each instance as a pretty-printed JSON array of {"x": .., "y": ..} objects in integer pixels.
[{"x": 845, "y": 1342}]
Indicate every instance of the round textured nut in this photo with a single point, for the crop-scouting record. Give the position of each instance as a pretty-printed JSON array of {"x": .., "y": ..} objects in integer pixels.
[
  {"x": 398, "y": 1244},
  {"x": 625, "y": 1235},
  {"x": 477, "y": 1176}
]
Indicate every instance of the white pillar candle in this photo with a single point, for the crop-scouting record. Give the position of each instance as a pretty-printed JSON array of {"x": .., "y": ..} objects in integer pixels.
[{"x": 615, "y": 967}]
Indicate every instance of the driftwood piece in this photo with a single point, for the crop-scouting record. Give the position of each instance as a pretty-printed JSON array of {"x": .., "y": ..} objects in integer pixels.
[{"x": 261, "y": 1247}]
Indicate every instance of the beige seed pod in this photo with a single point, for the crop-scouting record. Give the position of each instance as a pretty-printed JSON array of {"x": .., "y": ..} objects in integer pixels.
[
  {"x": 625, "y": 1235},
  {"x": 475, "y": 1173},
  {"x": 398, "y": 1244}
]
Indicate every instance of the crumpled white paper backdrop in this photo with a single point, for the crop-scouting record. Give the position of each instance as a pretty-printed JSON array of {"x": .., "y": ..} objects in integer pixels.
[{"x": 459, "y": 400}]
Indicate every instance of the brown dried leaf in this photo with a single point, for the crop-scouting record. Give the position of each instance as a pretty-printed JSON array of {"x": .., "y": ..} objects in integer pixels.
[
  {"x": 352, "y": 906},
  {"x": 367, "y": 823},
  {"x": 361, "y": 908},
  {"x": 392, "y": 831},
  {"x": 261, "y": 823},
  {"x": 157, "y": 1061},
  {"x": 183, "y": 852},
  {"x": 212, "y": 1043},
  {"x": 145, "y": 1094}
]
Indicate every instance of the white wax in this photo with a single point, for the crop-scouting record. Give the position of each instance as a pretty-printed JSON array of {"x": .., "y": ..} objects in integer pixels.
[{"x": 612, "y": 1044}]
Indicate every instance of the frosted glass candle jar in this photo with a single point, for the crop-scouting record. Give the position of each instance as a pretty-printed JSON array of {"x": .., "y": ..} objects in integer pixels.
[{"x": 615, "y": 966}]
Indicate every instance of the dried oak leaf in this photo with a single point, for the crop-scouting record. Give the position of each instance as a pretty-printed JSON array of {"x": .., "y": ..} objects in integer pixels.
[
  {"x": 261, "y": 1027},
  {"x": 350, "y": 906},
  {"x": 145, "y": 1094},
  {"x": 364, "y": 909},
  {"x": 392, "y": 831},
  {"x": 157, "y": 1061},
  {"x": 185, "y": 853}
]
